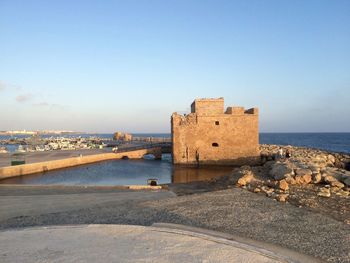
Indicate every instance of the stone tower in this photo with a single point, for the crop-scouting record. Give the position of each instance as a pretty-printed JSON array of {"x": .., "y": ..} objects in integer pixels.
[{"x": 210, "y": 135}]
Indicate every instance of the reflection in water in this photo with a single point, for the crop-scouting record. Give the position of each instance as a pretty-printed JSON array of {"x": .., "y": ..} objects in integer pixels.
[
  {"x": 122, "y": 172},
  {"x": 194, "y": 174}
]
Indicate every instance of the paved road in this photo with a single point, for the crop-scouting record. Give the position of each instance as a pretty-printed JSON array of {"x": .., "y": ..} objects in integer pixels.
[{"x": 125, "y": 243}]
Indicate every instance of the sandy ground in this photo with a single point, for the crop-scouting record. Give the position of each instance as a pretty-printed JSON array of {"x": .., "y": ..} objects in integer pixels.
[{"x": 234, "y": 211}]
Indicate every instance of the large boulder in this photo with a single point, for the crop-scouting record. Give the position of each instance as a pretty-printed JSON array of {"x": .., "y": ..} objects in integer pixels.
[
  {"x": 244, "y": 174},
  {"x": 316, "y": 178},
  {"x": 329, "y": 179},
  {"x": 281, "y": 171},
  {"x": 334, "y": 174},
  {"x": 245, "y": 179},
  {"x": 314, "y": 168},
  {"x": 283, "y": 185},
  {"x": 303, "y": 176},
  {"x": 331, "y": 159},
  {"x": 346, "y": 181},
  {"x": 303, "y": 179},
  {"x": 320, "y": 160},
  {"x": 290, "y": 180},
  {"x": 337, "y": 184},
  {"x": 302, "y": 171}
]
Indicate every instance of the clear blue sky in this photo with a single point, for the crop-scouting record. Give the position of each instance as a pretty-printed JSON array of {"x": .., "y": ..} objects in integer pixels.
[{"x": 102, "y": 66}]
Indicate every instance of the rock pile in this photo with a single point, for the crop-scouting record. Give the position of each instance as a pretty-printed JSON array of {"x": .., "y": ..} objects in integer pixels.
[{"x": 304, "y": 166}]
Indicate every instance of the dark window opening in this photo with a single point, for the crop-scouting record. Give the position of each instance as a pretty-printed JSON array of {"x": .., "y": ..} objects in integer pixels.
[
  {"x": 217, "y": 123},
  {"x": 214, "y": 144}
]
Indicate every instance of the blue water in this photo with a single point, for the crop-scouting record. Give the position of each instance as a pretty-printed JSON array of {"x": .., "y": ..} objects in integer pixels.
[
  {"x": 86, "y": 135},
  {"x": 122, "y": 172},
  {"x": 336, "y": 142}
]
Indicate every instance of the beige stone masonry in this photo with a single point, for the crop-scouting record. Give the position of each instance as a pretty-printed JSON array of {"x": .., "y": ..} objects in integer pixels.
[{"x": 208, "y": 135}]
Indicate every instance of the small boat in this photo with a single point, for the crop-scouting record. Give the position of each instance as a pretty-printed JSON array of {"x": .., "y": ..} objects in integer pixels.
[{"x": 21, "y": 149}]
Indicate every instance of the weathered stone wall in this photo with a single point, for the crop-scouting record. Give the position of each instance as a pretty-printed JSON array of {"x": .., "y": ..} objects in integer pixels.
[
  {"x": 210, "y": 136},
  {"x": 208, "y": 106}
]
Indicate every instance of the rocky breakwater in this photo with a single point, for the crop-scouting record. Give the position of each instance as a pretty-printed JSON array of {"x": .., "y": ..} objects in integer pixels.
[{"x": 311, "y": 178}]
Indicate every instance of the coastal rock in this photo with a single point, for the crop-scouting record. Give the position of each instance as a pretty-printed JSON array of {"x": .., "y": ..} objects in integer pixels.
[
  {"x": 338, "y": 174},
  {"x": 337, "y": 184},
  {"x": 246, "y": 175},
  {"x": 347, "y": 165},
  {"x": 324, "y": 192},
  {"x": 280, "y": 171},
  {"x": 244, "y": 180},
  {"x": 314, "y": 168},
  {"x": 290, "y": 180},
  {"x": 334, "y": 189},
  {"x": 303, "y": 176},
  {"x": 282, "y": 197},
  {"x": 283, "y": 185},
  {"x": 257, "y": 190},
  {"x": 343, "y": 193},
  {"x": 269, "y": 164},
  {"x": 270, "y": 183},
  {"x": 302, "y": 171},
  {"x": 303, "y": 179},
  {"x": 267, "y": 190},
  {"x": 331, "y": 159},
  {"x": 316, "y": 178},
  {"x": 329, "y": 179},
  {"x": 346, "y": 181}
]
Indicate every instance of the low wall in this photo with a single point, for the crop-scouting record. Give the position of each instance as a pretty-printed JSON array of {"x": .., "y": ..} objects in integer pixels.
[{"x": 18, "y": 170}]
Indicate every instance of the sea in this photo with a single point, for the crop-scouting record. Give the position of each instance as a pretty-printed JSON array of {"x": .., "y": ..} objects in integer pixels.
[
  {"x": 126, "y": 172},
  {"x": 334, "y": 142}
]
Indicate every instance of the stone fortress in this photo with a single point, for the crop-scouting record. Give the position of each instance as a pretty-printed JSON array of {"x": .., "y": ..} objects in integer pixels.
[{"x": 210, "y": 135}]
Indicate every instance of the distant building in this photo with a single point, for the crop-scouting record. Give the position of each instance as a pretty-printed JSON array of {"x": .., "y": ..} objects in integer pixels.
[
  {"x": 210, "y": 135},
  {"x": 121, "y": 136}
]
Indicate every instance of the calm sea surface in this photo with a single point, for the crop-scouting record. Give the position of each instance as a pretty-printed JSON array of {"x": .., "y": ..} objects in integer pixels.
[
  {"x": 336, "y": 142},
  {"x": 122, "y": 172}
]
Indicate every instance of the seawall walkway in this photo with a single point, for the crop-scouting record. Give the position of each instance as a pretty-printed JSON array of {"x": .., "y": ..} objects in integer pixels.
[{"x": 38, "y": 167}]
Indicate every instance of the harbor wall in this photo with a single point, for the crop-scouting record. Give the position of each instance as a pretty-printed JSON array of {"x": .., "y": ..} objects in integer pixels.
[{"x": 39, "y": 167}]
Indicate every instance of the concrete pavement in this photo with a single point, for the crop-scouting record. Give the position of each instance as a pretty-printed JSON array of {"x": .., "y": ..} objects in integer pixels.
[
  {"x": 128, "y": 243},
  {"x": 37, "y": 204}
]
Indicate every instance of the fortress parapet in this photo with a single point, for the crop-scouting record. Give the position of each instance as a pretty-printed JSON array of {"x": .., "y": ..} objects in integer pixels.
[{"x": 210, "y": 135}]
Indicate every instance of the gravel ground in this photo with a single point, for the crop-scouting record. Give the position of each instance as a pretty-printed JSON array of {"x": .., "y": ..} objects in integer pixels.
[{"x": 235, "y": 211}]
